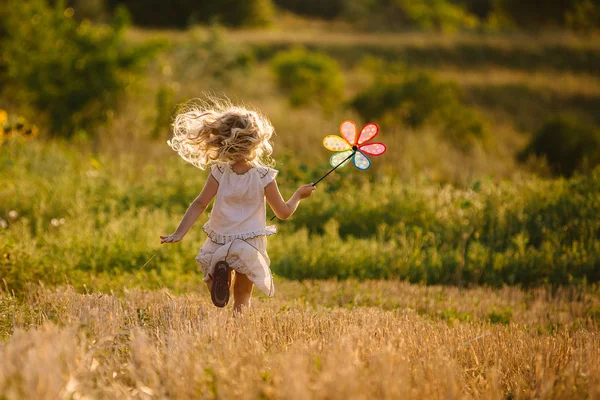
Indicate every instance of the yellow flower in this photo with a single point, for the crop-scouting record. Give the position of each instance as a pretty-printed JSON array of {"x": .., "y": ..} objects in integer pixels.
[
  {"x": 95, "y": 163},
  {"x": 3, "y": 117}
]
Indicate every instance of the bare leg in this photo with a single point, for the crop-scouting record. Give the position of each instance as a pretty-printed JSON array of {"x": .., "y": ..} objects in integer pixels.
[
  {"x": 242, "y": 292},
  {"x": 210, "y": 281}
]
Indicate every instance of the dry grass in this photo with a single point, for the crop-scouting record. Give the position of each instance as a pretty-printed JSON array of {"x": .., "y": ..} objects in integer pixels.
[
  {"x": 305, "y": 33},
  {"x": 562, "y": 83},
  {"x": 314, "y": 340}
]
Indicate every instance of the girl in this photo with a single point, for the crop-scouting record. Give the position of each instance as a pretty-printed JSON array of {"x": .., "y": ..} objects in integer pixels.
[{"x": 235, "y": 143}]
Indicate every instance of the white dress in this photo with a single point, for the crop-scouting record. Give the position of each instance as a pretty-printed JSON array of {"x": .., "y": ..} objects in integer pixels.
[{"x": 236, "y": 229}]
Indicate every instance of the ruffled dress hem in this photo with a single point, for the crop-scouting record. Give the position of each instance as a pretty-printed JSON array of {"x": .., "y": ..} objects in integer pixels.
[
  {"x": 246, "y": 257},
  {"x": 219, "y": 238}
]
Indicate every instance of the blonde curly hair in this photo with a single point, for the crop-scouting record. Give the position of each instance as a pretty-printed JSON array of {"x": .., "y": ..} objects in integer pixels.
[{"x": 205, "y": 133}]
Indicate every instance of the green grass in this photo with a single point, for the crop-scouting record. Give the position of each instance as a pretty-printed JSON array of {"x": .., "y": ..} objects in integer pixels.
[{"x": 529, "y": 233}]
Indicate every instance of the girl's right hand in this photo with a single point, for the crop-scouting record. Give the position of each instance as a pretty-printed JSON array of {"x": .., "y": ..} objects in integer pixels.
[{"x": 176, "y": 237}]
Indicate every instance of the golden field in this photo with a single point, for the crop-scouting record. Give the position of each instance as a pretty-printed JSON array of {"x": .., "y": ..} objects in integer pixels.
[{"x": 316, "y": 339}]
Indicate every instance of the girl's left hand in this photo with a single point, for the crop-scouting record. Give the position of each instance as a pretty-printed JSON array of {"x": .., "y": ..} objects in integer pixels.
[
  {"x": 305, "y": 191},
  {"x": 176, "y": 237}
]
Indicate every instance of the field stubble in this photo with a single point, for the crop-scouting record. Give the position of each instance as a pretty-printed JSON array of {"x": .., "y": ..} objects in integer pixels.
[{"x": 316, "y": 339}]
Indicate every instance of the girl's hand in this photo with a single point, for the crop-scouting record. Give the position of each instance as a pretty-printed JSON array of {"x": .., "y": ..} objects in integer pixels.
[
  {"x": 305, "y": 191},
  {"x": 176, "y": 237}
]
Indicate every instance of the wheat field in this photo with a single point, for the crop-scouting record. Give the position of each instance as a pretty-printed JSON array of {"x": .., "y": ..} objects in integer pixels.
[{"x": 316, "y": 339}]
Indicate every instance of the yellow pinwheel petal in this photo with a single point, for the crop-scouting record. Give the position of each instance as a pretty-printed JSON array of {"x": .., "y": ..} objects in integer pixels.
[{"x": 336, "y": 143}]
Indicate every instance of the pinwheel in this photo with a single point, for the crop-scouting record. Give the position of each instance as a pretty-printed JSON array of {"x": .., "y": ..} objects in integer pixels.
[{"x": 349, "y": 145}]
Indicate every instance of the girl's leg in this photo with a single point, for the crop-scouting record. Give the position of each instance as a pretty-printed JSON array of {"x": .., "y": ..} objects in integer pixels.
[{"x": 242, "y": 291}]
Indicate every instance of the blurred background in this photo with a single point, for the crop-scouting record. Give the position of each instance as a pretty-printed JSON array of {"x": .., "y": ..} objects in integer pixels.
[{"x": 489, "y": 108}]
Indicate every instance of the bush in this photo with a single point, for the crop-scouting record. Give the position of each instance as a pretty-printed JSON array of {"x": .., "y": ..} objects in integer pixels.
[
  {"x": 15, "y": 128},
  {"x": 73, "y": 72},
  {"x": 326, "y": 9},
  {"x": 246, "y": 12},
  {"x": 582, "y": 15},
  {"x": 439, "y": 15},
  {"x": 481, "y": 8},
  {"x": 182, "y": 13},
  {"x": 93, "y": 10},
  {"x": 418, "y": 98},
  {"x": 209, "y": 55},
  {"x": 568, "y": 145},
  {"x": 308, "y": 77}
]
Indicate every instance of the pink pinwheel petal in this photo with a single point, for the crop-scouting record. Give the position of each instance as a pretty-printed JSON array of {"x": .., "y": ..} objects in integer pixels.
[
  {"x": 368, "y": 132},
  {"x": 339, "y": 157},
  {"x": 336, "y": 143},
  {"x": 373, "y": 149},
  {"x": 348, "y": 132},
  {"x": 361, "y": 161}
]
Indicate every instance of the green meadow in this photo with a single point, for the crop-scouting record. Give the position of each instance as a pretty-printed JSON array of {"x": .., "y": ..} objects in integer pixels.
[{"x": 464, "y": 196}]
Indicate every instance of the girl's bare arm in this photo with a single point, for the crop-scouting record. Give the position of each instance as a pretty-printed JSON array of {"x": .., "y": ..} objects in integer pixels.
[
  {"x": 281, "y": 208},
  {"x": 194, "y": 211}
]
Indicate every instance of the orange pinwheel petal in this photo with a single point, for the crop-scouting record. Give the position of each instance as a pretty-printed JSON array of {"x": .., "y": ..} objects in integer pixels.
[{"x": 348, "y": 132}]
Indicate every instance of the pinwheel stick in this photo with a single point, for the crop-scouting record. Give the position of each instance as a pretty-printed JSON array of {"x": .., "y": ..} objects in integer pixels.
[
  {"x": 336, "y": 167},
  {"x": 330, "y": 171}
]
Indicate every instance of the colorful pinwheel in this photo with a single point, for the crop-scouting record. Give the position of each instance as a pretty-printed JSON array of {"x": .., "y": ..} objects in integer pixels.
[{"x": 350, "y": 145}]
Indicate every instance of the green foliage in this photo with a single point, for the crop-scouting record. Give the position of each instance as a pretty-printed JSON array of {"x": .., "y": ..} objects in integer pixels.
[
  {"x": 418, "y": 98},
  {"x": 93, "y": 10},
  {"x": 208, "y": 55},
  {"x": 459, "y": 53},
  {"x": 502, "y": 316},
  {"x": 308, "y": 77},
  {"x": 326, "y": 9},
  {"x": 105, "y": 224},
  {"x": 182, "y": 13},
  {"x": 568, "y": 145},
  {"x": 14, "y": 127},
  {"x": 247, "y": 12},
  {"x": 582, "y": 15},
  {"x": 165, "y": 106},
  {"x": 481, "y": 8},
  {"x": 593, "y": 313},
  {"x": 438, "y": 15},
  {"x": 74, "y": 72},
  {"x": 527, "y": 233}
]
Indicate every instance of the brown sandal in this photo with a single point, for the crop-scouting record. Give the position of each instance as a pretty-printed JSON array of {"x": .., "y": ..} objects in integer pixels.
[{"x": 219, "y": 292}]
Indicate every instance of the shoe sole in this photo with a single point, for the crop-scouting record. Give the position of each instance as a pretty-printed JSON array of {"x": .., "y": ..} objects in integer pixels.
[{"x": 219, "y": 292}]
